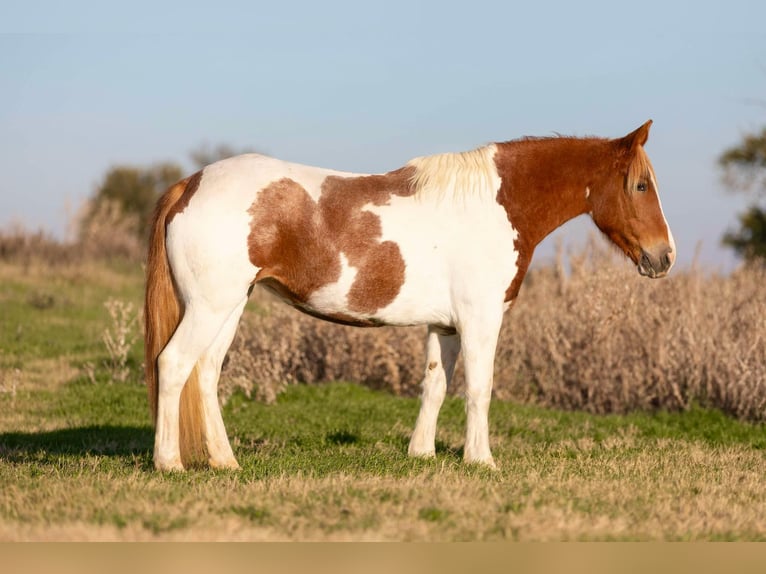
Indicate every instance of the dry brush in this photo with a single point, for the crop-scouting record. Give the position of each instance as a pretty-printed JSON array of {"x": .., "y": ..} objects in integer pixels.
[{"x": 595, "y": 337}]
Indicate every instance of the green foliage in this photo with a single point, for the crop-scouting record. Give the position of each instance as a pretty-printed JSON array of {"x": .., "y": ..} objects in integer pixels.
[
  {"x": 745, "y": 163},
  {"x": 51, "y": 323},
  {"x": 749, "y": 241},
  {"x": 744, "y": 169}
]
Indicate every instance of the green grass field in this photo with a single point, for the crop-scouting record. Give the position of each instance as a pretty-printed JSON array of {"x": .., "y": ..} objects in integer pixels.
[{"x": 329, "y": 462}]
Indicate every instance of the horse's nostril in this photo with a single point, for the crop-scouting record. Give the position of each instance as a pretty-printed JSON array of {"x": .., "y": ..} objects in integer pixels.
[
  {"x": 666, "y": 260},
  {"x": 646, "y": 262}
]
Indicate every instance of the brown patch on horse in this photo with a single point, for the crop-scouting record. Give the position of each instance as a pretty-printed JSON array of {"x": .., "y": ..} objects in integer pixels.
[
  {"x": 297, "y": 242},
  {"x": 190, "y": 185},
  {"x": 288, "y": 241},
  {"x": 536, "y": 190},
  {"x": 380, "y": 267}
]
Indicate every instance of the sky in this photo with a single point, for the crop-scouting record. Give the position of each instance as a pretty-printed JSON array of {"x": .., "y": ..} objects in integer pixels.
[{"x": 366, "y": 86}]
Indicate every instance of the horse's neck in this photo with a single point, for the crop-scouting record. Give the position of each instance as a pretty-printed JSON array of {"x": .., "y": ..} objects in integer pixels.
[{"x": 545, "y": 183}]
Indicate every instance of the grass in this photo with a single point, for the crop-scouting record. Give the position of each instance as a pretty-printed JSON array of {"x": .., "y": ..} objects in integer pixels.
[
  {"x": 328, "y": 462},
  {"x": 52, "y": 320}
]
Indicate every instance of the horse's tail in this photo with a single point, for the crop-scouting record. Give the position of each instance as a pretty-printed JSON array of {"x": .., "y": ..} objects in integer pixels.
[{"x": 162, "y": 314}]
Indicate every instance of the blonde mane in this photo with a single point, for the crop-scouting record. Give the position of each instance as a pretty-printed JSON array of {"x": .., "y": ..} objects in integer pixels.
[{"x": 456, "y": 176}]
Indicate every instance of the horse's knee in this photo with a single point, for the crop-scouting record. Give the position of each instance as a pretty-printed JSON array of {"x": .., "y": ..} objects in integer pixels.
[{"x": 173, "y": 372}]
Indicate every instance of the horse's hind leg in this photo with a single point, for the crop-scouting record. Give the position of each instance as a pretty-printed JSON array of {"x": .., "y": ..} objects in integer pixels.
[
  {"x": 195, "y": 333},
  {"x": 441, "y": 355},
  {"x": 219, "y": 450}
]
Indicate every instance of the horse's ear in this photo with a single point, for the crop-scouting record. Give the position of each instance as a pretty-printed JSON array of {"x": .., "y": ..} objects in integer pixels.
[{"x": 637, "y": 137}]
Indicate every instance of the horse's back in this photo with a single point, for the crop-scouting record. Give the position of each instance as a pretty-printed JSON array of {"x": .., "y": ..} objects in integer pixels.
[
  {"x": 220, "y": 208},
  {"x": 361, "y": 249}
]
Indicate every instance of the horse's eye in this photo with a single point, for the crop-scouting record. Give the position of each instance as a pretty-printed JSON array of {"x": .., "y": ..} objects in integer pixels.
[{"x": 641, "y": 187}]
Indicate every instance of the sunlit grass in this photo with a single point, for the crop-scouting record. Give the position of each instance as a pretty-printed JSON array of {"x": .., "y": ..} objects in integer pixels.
[{"x": 329, "y": 462}]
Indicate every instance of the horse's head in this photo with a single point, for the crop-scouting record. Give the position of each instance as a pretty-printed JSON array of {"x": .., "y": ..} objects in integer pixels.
[{"x": 625, "y": 206}]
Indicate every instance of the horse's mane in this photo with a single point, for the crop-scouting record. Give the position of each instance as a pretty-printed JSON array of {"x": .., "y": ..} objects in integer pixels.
[{"x": 456, "y": 175}]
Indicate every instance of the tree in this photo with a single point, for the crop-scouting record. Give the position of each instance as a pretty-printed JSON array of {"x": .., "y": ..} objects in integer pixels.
[
  {"x": 744, "y": 167},
  {"x": 750, "y": 239}
]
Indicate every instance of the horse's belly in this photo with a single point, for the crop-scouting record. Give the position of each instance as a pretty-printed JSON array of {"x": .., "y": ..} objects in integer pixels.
[{"x": 416, "y": 301}]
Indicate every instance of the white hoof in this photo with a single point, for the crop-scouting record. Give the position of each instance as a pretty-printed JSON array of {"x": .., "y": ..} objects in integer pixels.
[{"x": 172, "y": 465}]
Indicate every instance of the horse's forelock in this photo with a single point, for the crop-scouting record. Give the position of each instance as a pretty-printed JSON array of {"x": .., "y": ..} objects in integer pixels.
[{"x": 639, "y": 168}]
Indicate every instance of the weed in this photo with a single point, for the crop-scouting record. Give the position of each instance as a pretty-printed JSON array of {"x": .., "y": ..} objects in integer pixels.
[{"x": 119, "y": 338}]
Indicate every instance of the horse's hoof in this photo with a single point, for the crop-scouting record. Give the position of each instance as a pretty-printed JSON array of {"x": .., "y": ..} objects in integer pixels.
[
  {"x": 169, "y": 466},
  {"x": 229, "y": 464}
]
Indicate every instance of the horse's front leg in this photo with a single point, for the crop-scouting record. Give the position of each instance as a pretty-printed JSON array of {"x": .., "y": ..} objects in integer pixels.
[
  {"x": 441, "y": 355},
  {"x": 479, "y": 340}
]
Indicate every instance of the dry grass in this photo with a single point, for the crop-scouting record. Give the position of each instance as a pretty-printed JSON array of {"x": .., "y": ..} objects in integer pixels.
[
  {"x": 104, "y": 231},
  {"x": 21, "y": 246},
  {"x": 53, "y": 320},
  {"x": 277, "y": 346},
  {"x": 605, "y": 340},
  {"x": 597, "y": 338},
  {"x": 100, "y": 232},
  {"x": 675, "y": 491}
]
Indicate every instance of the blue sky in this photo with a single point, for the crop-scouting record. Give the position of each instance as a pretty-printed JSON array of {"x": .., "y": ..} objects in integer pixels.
[{"x": 367, "y": 86}]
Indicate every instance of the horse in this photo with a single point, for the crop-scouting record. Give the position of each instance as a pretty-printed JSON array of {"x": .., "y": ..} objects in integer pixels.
[{"x": 444, "y": 241}]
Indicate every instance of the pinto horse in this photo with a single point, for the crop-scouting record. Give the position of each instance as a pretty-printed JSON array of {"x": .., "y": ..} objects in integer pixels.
[{"x": 444, "y": 241}]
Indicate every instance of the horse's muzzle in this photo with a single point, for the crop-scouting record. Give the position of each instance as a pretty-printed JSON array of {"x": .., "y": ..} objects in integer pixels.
[{"x": 657, "y": 262}]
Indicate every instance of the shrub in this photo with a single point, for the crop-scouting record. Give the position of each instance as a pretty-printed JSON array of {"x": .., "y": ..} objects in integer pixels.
[
  {"x": 21, "y": 246},
  {"x": 605, "y": 340},
  {"x": 106, "y": 231},
  {"x": 101, "y": 231}
]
